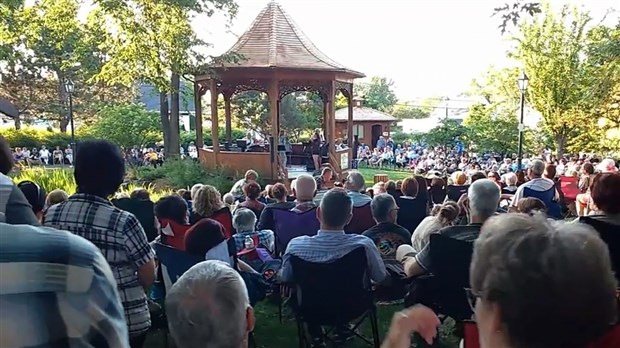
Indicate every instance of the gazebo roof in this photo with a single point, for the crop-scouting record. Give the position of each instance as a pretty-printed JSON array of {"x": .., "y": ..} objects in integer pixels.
[
  {"x": 275, "y": 41},
  {"x": 361, "y": 114}
]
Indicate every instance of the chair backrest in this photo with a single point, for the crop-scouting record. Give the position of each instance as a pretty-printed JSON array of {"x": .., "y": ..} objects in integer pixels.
[
  {"x": 456, "y": 191},
  {"x": 451, "y": 259},
  {"x": 174, "y": 263},
  {"x": 361, "y": 221},
  {"x": 173, "y": 233},
  {"x": 569, "y": 185},
  {"x": 610, "y": 234},
  {"x": 610, "y": 340},
  {"x": 411, "y": 212},
  {"x": 290, "y": 224},
  {"x": 437, "y": 194},
  {"x": 224, "y": 216},
  {"x": 553, "y": 208},
  {"x": 144, "y": 210},
  {"x": 332, "y": 293}
]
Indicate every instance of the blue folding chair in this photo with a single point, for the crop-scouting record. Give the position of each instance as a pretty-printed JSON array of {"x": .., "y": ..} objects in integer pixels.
[{"x": 174, "y": 263}]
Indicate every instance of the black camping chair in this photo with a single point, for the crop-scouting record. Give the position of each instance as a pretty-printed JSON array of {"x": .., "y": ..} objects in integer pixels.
[
  {"x": 443, "y": 290},
  {"x": 144, "y": 210},
  {"x": 610, "y": 234},
  {"x": 333, "y": 295}
]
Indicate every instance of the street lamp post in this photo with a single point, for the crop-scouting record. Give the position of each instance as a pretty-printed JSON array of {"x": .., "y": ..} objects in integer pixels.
[
  {"x": 523, "y": 81},
  {"x": 70, "y": 88}
]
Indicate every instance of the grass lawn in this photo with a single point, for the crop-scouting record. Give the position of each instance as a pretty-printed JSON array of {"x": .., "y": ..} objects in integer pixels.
[
  {"x": 270, "y": 333},
  {"x": 369, "y": 174}
]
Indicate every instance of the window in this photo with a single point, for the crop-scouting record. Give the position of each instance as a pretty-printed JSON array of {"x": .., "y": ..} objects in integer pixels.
[{"x": 358, "y": 129}]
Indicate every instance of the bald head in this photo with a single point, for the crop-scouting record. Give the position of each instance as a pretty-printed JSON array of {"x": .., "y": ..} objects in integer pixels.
[{"x": 305, "y": 188}]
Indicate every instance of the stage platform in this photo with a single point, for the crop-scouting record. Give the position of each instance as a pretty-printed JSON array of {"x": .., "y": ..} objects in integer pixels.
[{"x": 294, "y": 171}]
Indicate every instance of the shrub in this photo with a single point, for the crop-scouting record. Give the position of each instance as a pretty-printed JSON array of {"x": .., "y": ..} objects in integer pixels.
[
  {"x": 235, "y": 133},
  {"x": 49, "y": 179},
  {"x": 33, "y": 137},
  {"x": 184, "y": 173}
]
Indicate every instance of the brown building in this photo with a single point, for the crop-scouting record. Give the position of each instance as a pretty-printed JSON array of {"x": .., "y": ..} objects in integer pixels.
[{"x": 368, "y": 124}]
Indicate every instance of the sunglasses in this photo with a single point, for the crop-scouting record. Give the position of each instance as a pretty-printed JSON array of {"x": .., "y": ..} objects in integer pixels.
[{"x": 472, "y": 298}]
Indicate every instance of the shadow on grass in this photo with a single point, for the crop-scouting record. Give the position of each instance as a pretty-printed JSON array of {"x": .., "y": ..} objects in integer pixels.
[{"x": 270, "y": 333}]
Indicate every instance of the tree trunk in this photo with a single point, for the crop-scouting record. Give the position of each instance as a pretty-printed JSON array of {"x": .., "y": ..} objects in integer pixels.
[
  {"x": 560, "y": 143},
  {"x": 165, "y": 121},
  {"x": 175, "y": 141},
  {"x": 18, "y": 123},
  {"x": 64, "y": 122},
  {"x": 62, "y": 110}
]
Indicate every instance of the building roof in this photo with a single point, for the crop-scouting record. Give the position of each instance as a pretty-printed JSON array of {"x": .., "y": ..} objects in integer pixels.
[
  {"x": 8, "y": 108},
  {"x": 149, "y": 96},
  {"x": 364, "y": 114},
  {"x": 275, "y": 41}
]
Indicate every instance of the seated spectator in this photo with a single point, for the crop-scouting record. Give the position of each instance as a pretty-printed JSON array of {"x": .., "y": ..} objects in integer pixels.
[
  {"x": 55, "y": 197},
  {"x": 252, "y": 193},
  {"x": 482, "y": 201},
  {"x": 208, "y": 306},
  {"x": 229, "y": 200},
  {"x": 13, "y": 205},
  {"x": 510, "y": 180},
  {"x": 537, "y": 185},
  {"x": 331, "y": 243},
  {"x": 279, "y": 195},
  {"x": 386, "y": 235},
  {"x": 57, "y": 290},
  {"x": 206, "y": 239},
  {"x": 442, "y": 215},
  {"x": 583, "y": 199},
  {"x": 541, "y": 284},
  {"x": 237, "y": 189},
  {"x": 140, "y": 193},
  {"x": 304, "y": 190},
  {"x": 355, "y": 186},
  {"x": 390, "y": 188},
  {"x": 477, "y": 175},
  {"x": 608, "y": 165},
  {"x": 99, "y": 171},
  {"x": 324, "y": 181},
  {"x": 605, "y": 191},
  {"x": 35, "y": 195},
  {"x": 207, "y": 203},
  {"x": 244, "y": 222},
  {"x": 412, "y": 208},
  {"x": 531, "y": 205},
  {"x": 171, "y": 211},
  {"x": 379, "y": 188}
]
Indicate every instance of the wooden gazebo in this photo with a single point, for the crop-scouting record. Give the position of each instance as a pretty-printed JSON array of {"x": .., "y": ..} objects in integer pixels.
[{"x": 278, "y": 59}]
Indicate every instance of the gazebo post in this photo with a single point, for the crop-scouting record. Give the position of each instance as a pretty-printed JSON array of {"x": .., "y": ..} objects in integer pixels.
[
  {"x": 274, "y": 95},
  {"x": 331, "y": 120},
  {"x": 214, "y": 122},
  {"x": 227, "y": 115},
  {"x": 350, "y": 121},
  {"x": 198, "y": 114}
]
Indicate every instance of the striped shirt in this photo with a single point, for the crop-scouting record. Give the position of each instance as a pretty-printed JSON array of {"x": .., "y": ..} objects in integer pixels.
[
  {"x": 121, "y": 239},
  {"x": 328, "y": 246},
  {"x": 56, "y": 290}
]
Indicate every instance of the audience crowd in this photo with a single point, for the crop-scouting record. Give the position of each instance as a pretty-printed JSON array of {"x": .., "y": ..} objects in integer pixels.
[{"x": 86, "y": 270}]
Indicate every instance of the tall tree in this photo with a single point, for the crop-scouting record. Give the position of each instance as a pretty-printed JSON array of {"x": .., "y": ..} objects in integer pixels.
[
  {"x": 156, "y": 44},
  {"x": 378, "y": 93},
  {"x": 404, "y": 111},
  {"x": 555, "y": 52}
]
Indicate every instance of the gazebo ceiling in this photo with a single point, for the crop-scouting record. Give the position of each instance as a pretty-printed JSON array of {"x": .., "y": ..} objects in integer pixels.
[{"x": 275, "y": 41}]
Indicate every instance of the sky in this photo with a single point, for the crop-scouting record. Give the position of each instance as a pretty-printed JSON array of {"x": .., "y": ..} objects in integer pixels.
[{"x": 429, "y": 48}]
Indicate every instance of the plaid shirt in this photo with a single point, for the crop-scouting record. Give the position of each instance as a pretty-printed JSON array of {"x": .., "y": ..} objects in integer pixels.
[
  {"x": 266, "y": 238},
  {"x": 56, "y": 290},
  {"x": 121, "y": 239}
]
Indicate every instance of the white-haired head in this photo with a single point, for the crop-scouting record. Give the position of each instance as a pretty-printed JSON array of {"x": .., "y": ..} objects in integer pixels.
[
  {"x": 607, "y": 165},
  {"x": 355, "y": 181},
  {"x": 483, "y": 197},
  {"x": 208, "y": 306},
  {"x": 305, "y": 188}
]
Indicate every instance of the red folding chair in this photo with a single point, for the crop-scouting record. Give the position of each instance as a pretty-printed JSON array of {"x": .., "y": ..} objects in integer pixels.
[
  {"x": 570, "y": 187},
  {"x": 610, "y": 340}
]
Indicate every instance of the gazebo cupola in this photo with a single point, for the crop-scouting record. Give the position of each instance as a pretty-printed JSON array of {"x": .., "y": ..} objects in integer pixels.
[{"x": 278, "y": 59}]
